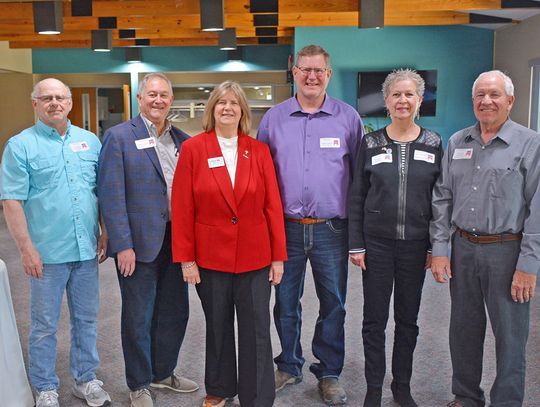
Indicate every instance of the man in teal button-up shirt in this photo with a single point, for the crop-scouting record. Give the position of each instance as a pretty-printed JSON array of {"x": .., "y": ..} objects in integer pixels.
[{"x": 48, "y": 189}]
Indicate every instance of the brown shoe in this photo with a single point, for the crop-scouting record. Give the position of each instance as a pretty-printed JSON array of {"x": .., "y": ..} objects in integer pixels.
[
  {"x": 455, "y": 403},
  {"x": 331, "y": 391},
  {"x": 213, "y": 401}
]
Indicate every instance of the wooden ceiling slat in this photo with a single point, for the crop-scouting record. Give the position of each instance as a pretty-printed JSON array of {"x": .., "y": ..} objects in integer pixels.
[
  {"x": 425, "y": 18},
  {"x": 312, "y": 19},
  {"x": 396, "y": 6}
]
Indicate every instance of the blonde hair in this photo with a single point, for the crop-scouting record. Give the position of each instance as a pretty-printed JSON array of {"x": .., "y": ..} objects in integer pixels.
[{"x": 208, "y": 120}]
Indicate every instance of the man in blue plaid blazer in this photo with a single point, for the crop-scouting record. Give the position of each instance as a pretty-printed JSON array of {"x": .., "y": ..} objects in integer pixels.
[{"x": 136, "y": 168}]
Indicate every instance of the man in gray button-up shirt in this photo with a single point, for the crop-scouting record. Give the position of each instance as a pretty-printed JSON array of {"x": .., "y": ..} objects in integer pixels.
[{"x": 488, "y": 195}]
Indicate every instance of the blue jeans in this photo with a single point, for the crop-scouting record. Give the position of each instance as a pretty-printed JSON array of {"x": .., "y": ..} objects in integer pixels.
[
  {"x": 80, "y": 280},
  {"x": 155, "y": 311},
  {"x": 326, "y": 247}
]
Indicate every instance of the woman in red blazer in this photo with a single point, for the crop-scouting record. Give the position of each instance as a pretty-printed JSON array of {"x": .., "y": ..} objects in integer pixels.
[{"x": 228, "y": 233}]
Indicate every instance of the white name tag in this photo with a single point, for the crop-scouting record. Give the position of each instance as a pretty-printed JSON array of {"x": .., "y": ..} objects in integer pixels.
[
  {"x": 216, "y": 162},
  {"x": 81, "y": 146},
  {"x": 381, "y": 158},
  {"x": 329, "y": 142},
  {"x": 462, "y": 154},
  {"x": 420, "y": 155},
  {"x": 145, "y": 143}
]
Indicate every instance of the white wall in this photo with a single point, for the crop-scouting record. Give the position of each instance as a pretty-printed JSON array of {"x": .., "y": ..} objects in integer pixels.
[{"x": 515, "y": 46}]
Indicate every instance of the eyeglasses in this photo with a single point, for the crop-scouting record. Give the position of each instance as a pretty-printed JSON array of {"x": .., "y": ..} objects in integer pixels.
[
  {"x": 50, "y": 98},
  {"x": 308, "y": 71}
]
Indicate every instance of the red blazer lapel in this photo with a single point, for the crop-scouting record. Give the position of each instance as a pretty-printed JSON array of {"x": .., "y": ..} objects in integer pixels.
[
  {"x": 243, "y": 167},
  {"x": 221, "y": 175}
]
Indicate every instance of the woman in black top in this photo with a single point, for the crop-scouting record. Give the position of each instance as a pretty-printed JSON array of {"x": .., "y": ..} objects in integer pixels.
[{"x": 389, "y": 214}]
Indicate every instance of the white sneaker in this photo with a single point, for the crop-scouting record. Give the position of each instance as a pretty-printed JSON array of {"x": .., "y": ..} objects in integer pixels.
[
  {"x": 141, "y": 398},
  {"x": 92, "y": 392},
  {"x": 47, "y": 398}
]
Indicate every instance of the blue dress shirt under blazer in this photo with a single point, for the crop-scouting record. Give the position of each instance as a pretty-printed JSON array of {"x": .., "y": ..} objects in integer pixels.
[{"x": 132, "y": 190}]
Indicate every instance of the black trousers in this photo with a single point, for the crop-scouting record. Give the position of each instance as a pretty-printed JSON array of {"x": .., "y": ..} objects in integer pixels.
[
  {"x": 248, "y": 293},
  {"x": 399, "y": 265}
]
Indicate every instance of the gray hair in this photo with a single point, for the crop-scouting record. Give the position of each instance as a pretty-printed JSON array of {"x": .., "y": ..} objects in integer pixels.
[
  {"x": 312, "y": 50},
  {"x": 404, "y": 75},
  {"x": 508, "y": 85},
  {"x": 149, "y": 77},
  {"x": 37, "y": 87}
]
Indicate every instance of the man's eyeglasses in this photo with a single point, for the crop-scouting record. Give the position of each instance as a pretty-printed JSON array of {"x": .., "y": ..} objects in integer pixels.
[
  {"x": 50, "y": 98},
  {"x": 308, "y": 71}
]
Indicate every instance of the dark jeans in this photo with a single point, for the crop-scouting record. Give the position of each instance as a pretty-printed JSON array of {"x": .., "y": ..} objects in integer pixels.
[
  {"x": 248, "y": 293},
  {"x": 325, "y": 245},
  {"x": 482, "y": 276},
  {"x": 399, "y": 265},
  {"x": 155, "y": 311}
]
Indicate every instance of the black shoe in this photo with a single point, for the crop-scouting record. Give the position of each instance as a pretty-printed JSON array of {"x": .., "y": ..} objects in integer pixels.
[
  {"x": 402, "y": 394},
  {"x": 373, "y": 397}
]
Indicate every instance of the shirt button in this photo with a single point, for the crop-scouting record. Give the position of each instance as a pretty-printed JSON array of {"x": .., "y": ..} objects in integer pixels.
[
  {"x": 472, "y": 209},
  {"x": 483, "y": 147},
  {"x": 477, "y": 167},
  {"x": 474, "y": 188},
  {"x": 234, "y": 220}
]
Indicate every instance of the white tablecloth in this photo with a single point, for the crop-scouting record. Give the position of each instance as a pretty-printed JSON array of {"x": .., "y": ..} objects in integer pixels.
[{"x": 14, "y": 388}]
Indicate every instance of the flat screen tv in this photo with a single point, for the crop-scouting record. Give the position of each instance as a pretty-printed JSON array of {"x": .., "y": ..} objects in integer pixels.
[{"x": 370, "y": 101}]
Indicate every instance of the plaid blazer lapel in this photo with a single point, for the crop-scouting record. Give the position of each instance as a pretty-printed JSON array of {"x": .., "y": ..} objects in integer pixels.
[{"x": 141, "y": 132}]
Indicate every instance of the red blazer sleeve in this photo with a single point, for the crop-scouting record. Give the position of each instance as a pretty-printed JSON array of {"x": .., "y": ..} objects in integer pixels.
[
  {"x": 273, "y": 209},
  {"x": 183, "y": 207}
]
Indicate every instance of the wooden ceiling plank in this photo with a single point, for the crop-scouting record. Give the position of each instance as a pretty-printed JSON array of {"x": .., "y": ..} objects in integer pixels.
[
  {"x": 425, "y": 18},
  {"x": 330, "y": 6},
  {"x": 397, "y": 6},
  {"x": 309, "y": 19}
]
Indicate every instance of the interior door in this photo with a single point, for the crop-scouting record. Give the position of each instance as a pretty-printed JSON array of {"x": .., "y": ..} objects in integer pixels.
[{"x": 84, "y": 111}]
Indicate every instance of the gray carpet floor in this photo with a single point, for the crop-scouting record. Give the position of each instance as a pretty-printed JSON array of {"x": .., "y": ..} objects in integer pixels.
[{"x": 432, "y": 370}]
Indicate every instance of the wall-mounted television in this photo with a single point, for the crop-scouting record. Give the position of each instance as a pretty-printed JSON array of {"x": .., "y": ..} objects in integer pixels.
[{"x": 370, "y": 102}]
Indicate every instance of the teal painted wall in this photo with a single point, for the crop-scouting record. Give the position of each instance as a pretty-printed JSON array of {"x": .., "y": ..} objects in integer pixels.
[
  {"x": 458, "y": 53},
  {"x": 156, "y": 59}
]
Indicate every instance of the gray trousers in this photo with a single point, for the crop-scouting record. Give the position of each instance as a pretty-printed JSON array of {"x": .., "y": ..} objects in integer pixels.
[{"x": 482, "y": 275}]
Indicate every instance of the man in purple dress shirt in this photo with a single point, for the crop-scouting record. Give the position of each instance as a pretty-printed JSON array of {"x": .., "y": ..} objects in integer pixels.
[{"x": 314, "y": 140}]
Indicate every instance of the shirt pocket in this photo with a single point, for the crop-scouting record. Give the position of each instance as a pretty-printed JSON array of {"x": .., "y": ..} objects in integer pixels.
[
  {"x": 89, "y": 163},
  {"x": 42, "y": 173},
  {"x": 505, "y": 183}
]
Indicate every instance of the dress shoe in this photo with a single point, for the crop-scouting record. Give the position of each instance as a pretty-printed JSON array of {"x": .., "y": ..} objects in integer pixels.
[
  {"x": 214, "y": 401},
  {"x": 402, "y": 394},
  {"x": 373, "y": 397},
  {"x": 455, "y": 403}
]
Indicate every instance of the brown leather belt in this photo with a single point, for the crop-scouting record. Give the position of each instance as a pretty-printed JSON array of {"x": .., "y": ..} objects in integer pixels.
[
  {"x": 306, "y": 221},
  {"x": 487, "y": 239}
]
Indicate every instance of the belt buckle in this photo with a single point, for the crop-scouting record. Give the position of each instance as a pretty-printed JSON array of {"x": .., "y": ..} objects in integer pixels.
[{"x": 474, "y": 237}]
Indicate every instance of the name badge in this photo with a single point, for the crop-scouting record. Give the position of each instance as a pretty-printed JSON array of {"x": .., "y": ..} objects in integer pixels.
[
  {"x": 462, "y": 154},
  {"x": 329, "y": 142},
  {"x": 420, "y": 155},
  {"x": 145, "y": 143},
  {"x": 381, "y": 158},
  {"x": 81, "y": 146},
  {"x": 216, "y": 162}
]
